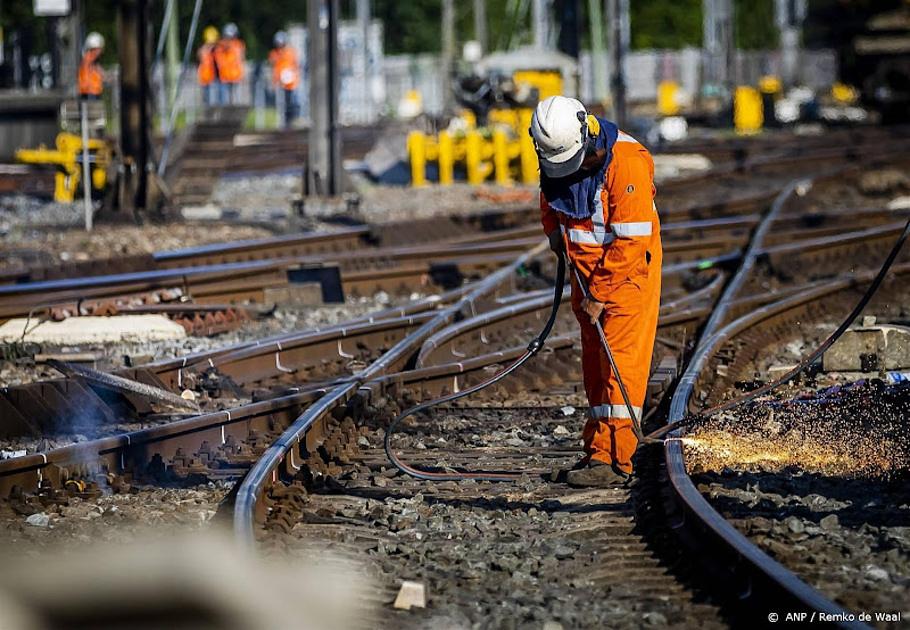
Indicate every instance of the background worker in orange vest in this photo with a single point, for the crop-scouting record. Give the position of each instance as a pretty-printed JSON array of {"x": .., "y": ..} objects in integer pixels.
[
  {"x": 230, "y": 57},
  {"x": 285, "y": 76},
  {"x": 207, "y": 70},
  {"x": 91, "y": 76},
  {"x": 597, "y": 205}
]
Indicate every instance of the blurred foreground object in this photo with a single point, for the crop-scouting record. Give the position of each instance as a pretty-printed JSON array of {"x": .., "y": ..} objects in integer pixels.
[{"x": 200, "y": 581}]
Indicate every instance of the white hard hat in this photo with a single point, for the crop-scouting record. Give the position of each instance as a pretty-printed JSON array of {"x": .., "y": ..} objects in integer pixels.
[
  {"x": 559, "y": 127},
  {"x": 94, "y": 40},
  {"x": 280, "y": 39},
  {"x": 230, "y": 30}
]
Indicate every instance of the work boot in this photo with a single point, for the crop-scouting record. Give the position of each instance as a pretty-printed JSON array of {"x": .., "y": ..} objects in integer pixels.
[
  {"x": 597, "y": 474},
  {"x": 559, "y": 474}
]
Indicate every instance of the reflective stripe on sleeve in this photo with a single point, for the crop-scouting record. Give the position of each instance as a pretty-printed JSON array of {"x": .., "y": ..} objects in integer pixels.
[
  {"x": 624, "y": 137},
  {"x": 614, "y": 411},
  {"x": 586, "y": 237},
  {"x": 630, "y": 230}
]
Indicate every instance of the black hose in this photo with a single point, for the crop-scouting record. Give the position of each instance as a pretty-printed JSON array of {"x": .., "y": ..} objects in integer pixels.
[
  {"x": 809, "y": 360},
  {"x": 533, "y": 348}
]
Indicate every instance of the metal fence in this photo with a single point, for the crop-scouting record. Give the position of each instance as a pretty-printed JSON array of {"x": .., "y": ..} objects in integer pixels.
[
  {"x": 374, "y": 89},
  {"x": 645, "y": 69}
]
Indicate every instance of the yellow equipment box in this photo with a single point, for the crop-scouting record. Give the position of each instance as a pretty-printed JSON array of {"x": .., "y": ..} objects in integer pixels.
[{"x": 67, "y": 157}]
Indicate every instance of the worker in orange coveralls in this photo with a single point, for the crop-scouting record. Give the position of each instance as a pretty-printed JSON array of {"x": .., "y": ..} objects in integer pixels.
[
  {"x": 230, "y": 57},
  {"x": 91, "y": 76},
  {"x": 207, "y": 70},
  {"x": 597, "y": 205},
  {"x": 285, "y": 76}
]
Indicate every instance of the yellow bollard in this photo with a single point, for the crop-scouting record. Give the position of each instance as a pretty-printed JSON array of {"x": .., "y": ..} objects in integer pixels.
[
  {"x": 844, "y": 94},
  {"x": 472, "y": 157},
  {"x": 503, "y": 117},
  {"x": 417, "y": 154},
  {"x": 501, "y": 157},
  {"x": 527, "y": 155},
  {"x": 747, "y": 110},
  {"x": 769, "y": 84},
  {"x": 446, "y": 159},
  {"x": 667, "y": 104}
]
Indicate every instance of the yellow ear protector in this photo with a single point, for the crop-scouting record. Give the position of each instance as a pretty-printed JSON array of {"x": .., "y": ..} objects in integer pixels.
[{"x": 590, "y": 129}]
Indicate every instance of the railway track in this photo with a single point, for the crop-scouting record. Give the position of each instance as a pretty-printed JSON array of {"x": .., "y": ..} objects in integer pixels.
[
  {"x": 393, "y": 269},
  {"x": 309, "y": 439},
  {"x": 734, "y": 360},
  {"x": 770, "y": 323},
  {"x": 764, "y": 583},
  {"x": 218, "y": 147},
  {"x": 260, "y": 368}
]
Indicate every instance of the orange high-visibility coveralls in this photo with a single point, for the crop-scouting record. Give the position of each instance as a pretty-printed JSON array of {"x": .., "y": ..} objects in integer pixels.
[
  {"x": 618, "y": 252},
  {"x": 207, "y": 71},
  {"x": 229, "y": 57},
  {"x": 91, "y": 77},
  {"x": 285, "y": 69}
]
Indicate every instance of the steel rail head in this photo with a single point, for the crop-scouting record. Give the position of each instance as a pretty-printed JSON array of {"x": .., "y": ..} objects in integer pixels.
[
  {"x": 261, "y": 244},
  {"x": 255, "y": 480}
]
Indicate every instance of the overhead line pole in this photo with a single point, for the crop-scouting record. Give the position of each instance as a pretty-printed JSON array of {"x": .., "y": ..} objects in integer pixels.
[
  {"x": 324, "y": 154},
  {"x": 448, "y": 53},
  {"x": 618, "y": 17},
  {"x": 132, "y": 23},
  {"x": 598, "y": 65},
  {"x": 480, "y": 25}
]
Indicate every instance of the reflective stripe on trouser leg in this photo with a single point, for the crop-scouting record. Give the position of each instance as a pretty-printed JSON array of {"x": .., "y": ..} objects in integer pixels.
[{"x": 614, "y": 411}]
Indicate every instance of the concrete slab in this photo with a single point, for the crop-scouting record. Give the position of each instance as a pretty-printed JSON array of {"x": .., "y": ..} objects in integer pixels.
[
  {"x": 410, "y": 595},
  {"x": 209, "y": 212},
  {"x": 85, "y": 330},
  {"x": 302, "y": 294},
  {"x": 869, "y": 349},
  {"x": 670, "y": 165}
]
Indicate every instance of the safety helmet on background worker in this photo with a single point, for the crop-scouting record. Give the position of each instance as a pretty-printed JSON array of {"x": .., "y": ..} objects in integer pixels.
[
  {"x": 210, "y": 35},
  {"x": 93, "y": 40},
  {"x": 559, "y": 128},
  {"x": 230, "y": 30},
  {"x": 280, "y": 39}
]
